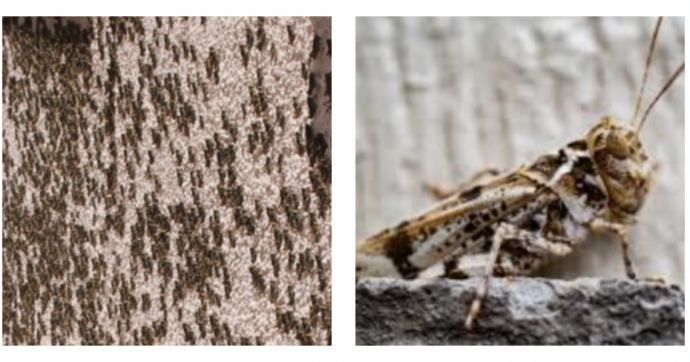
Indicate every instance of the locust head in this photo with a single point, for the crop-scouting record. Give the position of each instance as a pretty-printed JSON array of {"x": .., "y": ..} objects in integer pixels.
[
  {"x": 624, "y": 167},
  {"x": 617, "y": 151}
]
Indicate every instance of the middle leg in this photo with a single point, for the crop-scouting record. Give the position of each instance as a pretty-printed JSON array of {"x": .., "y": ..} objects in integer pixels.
[{"x": 514, "y": 251}]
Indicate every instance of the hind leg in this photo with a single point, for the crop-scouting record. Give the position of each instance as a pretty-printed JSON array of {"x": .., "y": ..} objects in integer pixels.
[
  {"x": 534, "y": 248},
  {"x": 441, "y": 192}
]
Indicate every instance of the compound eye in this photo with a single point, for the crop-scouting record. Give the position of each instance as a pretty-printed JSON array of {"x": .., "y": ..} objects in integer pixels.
[{"x": 617, "y": 146}]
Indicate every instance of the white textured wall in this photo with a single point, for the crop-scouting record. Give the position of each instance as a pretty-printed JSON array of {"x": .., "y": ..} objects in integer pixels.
[{"x": 438, "y": 98}]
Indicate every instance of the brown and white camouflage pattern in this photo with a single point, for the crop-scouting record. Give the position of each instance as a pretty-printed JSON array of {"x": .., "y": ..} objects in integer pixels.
[{"x": 163, "y": 182}]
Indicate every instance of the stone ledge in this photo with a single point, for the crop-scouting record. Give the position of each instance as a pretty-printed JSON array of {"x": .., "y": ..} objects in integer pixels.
[{"x": 521, "y": 311}]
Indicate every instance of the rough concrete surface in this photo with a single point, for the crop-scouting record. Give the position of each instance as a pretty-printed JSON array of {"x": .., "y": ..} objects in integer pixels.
[
  {"x": 439, "y": 98},
  {"x": 521, "y": 311}
]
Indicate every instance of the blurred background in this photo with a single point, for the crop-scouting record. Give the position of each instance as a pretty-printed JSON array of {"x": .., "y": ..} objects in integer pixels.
[{"x": 440, "y": 98}]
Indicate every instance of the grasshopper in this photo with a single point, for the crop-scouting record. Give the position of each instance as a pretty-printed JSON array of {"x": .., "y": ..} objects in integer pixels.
[{"x": 515, "y": 222}]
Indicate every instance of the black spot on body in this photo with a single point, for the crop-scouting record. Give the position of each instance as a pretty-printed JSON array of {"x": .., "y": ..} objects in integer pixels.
[
  {"x": 470, "y": 228},
  {"x": 399, "y": 250},
  {"x": 531, "y": 225},
  {"x": 579, "y": 145},
  {"x": 471, "y": 194},
  {"x": 558, "y": 210},
  {"x": 516, "y": 251},
  {"x": 487, "y": 233},
  {"x": 430, "y": 230},
  {"x": 449, "y": 266},
  {"x": 594, "y": 194},
  {"x": 562, "y": 157},
  {"x": 402, "y": 225},
  {"x": 451, "y": 271},
  {"x": 500, "y": 271},
  {"x": 584, "y": 164}
]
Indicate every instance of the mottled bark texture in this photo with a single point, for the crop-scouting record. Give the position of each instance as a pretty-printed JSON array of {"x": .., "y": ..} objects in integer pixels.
[{"x": 163, "y": 182}]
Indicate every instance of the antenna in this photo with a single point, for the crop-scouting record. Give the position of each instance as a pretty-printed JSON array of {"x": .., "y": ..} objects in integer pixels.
[
  {"x": 668, "y": 84},
  {"x": 650, "y": 52}
]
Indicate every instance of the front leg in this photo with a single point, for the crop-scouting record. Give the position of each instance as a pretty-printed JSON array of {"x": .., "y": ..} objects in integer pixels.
[{"x": 622, "y": 236}]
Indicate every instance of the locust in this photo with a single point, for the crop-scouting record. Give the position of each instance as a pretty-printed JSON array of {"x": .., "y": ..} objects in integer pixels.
[{"x": 512, "y": 223}]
